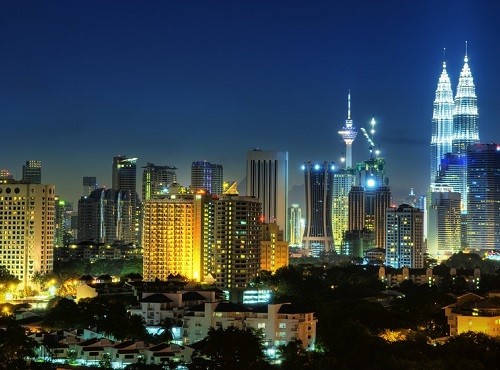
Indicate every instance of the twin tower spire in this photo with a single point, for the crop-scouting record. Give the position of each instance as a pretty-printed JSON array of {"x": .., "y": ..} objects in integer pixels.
[{"x": 454, "y": 121}]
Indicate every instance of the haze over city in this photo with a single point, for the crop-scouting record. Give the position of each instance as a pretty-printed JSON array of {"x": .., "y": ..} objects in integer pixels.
[{"x": 175, "y": 82}]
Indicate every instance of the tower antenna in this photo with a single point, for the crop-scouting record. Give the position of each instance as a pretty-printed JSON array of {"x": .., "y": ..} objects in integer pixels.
[
  {"x": 349, "y": 105},
  {"x": 444, "y": 57}
]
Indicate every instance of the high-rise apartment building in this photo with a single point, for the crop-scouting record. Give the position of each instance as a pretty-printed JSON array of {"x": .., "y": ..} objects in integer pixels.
[
  {"x": 207, "y": 176},
  {"x": 318, "y": 235},
  {"x": 105, "y": 216},
  {"x": 267, "y": 180},
  {"x": 404, "y": 239},
  {"x": 273, "y": 248},
  {"x": 442, "y": 122},
  {"x": 32, "y": 172},
  {"x": 173, "y": 236},
  {"x": 27, "y": 237},
  {"x": 295, "y": 226},
  {"x": 483, "y": 181},
  {"x": 156, "y": 180},
  {"x": 443, "y": 222},
  {"x": 237, "y": 241},
  {"x": 465, "y": 113}
]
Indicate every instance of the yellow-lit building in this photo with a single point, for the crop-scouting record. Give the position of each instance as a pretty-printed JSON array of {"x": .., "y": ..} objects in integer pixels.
[
  {"x": 475, "y": 313},
  {"x": 26, "y": 229},
  {"x": 173, "y": 237},
  {"x": 273, "y": 249}
]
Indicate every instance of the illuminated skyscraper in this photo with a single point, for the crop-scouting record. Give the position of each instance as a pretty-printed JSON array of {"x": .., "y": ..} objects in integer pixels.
[
  {"x": 348, "y": 134},
  {"x": 124, "y": 178},
  {"x": 267, "y": 180},
  {"x": 442, "y": 122},
  {"x": 318, "y": 235},
  {"x": 32, "y": 172},
  {"x": 443, "y": 222},
  {"x": 156, "y": 180},
  {"x": 483, "y": 180},
  {"x": 342, "y": 184},
  {"x": 173, "y": 236},
  {"x": 124, "y": 174},
  {"x": 105, "y": 216},
  {"x": 62, "y": 221},
  {"x": 27, "y": 237},
  {"x": 453, "y": 173},
  {"x": 295, "y": 226},
  {"x": 368, "y": 201},
  {"x": 465, "y": 113},
  {"x": 404, "y": 237},
  {"x": 207, "y": 176}
]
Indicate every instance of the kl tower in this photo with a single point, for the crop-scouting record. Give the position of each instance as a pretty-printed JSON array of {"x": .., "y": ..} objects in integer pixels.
[{"x": 348, "y": 134}]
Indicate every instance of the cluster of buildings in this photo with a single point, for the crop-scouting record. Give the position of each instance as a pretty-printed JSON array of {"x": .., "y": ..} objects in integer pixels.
[
  {"x": 206, "y": 232},
  {"x": 209, "y": 232},
  {"x": 86, "y": 347},
  {"x": 349, "y": 208}
]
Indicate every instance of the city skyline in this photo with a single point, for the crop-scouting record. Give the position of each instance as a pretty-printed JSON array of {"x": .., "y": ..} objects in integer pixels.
[{"x": 86, "y": 82}]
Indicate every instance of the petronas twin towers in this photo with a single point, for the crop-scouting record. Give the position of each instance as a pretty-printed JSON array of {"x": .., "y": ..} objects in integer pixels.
[{"x": 454, "y": 121}]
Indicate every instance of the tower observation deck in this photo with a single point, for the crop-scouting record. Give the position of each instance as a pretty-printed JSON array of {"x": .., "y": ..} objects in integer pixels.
[{"x": 348, "y": 134}]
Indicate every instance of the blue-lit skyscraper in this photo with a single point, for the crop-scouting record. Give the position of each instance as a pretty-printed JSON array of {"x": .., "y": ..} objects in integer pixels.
[
  {"x": 465, "y": 113},
  {"x": 207, "y": 176},
  {"x": 483, "y": 181},
  {"x": 318, "y": 236},
  {"x": 453, "y": 173},
  {"x": 442, "y": 122}
]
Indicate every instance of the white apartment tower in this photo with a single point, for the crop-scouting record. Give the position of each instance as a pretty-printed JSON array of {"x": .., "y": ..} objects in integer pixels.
[
  {"x": 267, "y": 180},
  {"x": 404, "y": 237}
]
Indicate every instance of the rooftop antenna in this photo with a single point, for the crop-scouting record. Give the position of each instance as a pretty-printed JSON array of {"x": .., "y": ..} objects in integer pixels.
[
  {"x": 444, "y": 57},
  {"x": 466, "y": 59}
]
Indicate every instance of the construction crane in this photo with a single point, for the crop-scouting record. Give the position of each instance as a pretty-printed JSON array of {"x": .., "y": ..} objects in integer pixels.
[{"x": 369, "y": 137}]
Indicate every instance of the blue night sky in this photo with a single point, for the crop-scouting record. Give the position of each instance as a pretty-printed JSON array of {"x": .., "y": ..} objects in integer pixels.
[{"x": 171, "y": 82}]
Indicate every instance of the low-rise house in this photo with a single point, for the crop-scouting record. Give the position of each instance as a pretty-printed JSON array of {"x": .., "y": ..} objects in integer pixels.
[
  {"x": 283, "y": 323},
  {"x": 394, "y": 277},
  {"x": 278, "y": 323},
  {"x": 93, "y": 350},
  {"x": 128, "y": 352},
  {"x": 93, "y": 290},
  {"x": 472, "y": 312},
  {"x": 156, "y": 307},
  {"x": 167, "y": 353}
]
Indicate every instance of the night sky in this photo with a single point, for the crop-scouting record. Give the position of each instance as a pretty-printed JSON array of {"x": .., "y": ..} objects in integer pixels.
[{"x": 171, "y": 82}]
